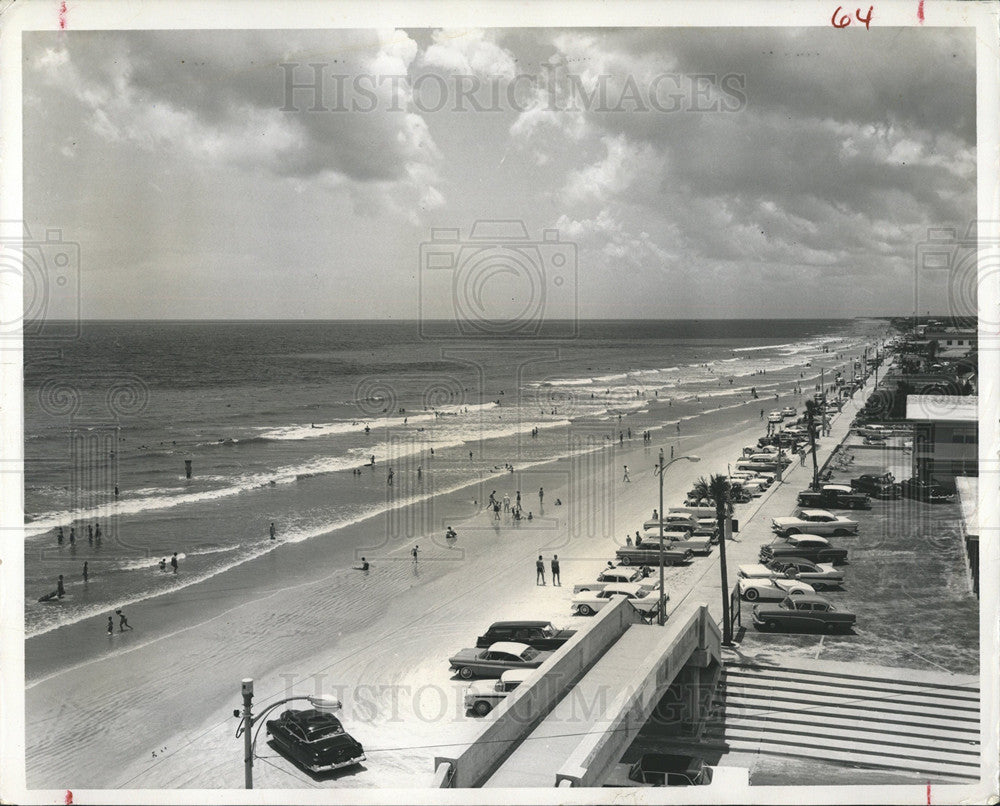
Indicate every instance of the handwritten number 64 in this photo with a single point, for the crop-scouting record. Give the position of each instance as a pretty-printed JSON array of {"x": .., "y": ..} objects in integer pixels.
[{"x": 845, "y": 19}]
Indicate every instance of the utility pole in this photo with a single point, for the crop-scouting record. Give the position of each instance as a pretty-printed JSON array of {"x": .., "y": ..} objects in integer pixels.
[
  {"x": 662, "y": 615},
  {"x": 247, "y": 688}
]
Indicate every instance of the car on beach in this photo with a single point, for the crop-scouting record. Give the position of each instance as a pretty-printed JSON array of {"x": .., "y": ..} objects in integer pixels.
[
  {"x": 616, "y": 576},
  {"x": 770, "y": 589},
  {"x": 661, "y": 769},
  {"x": 649, "y": 554},
  {"x": 497, "y": 659},
  {"x": 838, "y": 496},
  {"x": 810, "y": 547},
  {"x": 788, "y": 411},
  {"x": 884, "y": 486},
  {"x": 699, "y": 544},
  {"x": 819, "y": 575},
  {"x": 315, "y": 740},
  {"x": 482, "y": 696},
  {"x": 536, "y": 634},
  {"x": 922, "y": 490},
  {"x": 775, "y": 416},
  {"x": 643, "y": 599},
  {"x": 814, "y": 522},
  {"x": 807, "y": 613}
]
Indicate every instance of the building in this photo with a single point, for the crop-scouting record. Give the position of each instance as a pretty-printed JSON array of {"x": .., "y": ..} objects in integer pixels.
[{"x": 946, "y": 435}]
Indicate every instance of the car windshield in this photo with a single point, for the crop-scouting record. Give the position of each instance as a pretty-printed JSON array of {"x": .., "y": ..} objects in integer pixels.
[
  {"x": 548, "y": 631},
  {"x": 529, "y": 654}
]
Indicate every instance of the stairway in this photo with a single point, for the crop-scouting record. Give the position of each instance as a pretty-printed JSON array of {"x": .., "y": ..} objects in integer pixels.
[{"x": 928, "y": 726}]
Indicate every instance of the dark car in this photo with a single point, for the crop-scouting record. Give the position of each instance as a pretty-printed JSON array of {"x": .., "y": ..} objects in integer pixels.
[
  {"x": 314, "y": 740},
  {"x": 536, "y": 634},
  {"x": 803, "y": 613},
  {"x": 662, "y": 769},
  {"x": 883, "y": 486},
  {"x": 649, "y": 554},
  {"x": 835, "y": 496},
  {"x": 922, "y": 490},
  {"x": 808, "y": 547}
]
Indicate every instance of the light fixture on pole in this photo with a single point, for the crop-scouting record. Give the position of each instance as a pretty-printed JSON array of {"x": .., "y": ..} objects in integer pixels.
[
  {"x": 248, "y": 720},
  {"x": 659, "y": 470}
]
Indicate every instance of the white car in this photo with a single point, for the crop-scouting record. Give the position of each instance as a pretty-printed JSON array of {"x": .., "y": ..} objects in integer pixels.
[
  {"x": 616, "y": 576},
  {"x": 788, "y": 411},
  {"x": 775, "y": 416},
  {"x": 482, "y": 696},
  {"x": 586, "y": 604},
  {"x": 815, "y": 522},
  {"x": 770, "y": 589},
  {"x": 699, "y": 544}
]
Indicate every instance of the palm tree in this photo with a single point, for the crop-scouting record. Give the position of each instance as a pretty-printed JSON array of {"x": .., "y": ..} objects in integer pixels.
[
  {"x": 718, "y": 490},
  {"x": 812, "y": 409}
]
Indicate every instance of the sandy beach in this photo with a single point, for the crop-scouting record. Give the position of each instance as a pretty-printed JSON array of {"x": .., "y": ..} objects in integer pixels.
[{"x": 380, "y": 641}]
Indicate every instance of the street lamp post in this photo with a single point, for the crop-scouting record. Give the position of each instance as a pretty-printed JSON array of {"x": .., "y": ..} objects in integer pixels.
[
  {"x": 660, "y": 468},
  {"x": 248, "y": 720}
]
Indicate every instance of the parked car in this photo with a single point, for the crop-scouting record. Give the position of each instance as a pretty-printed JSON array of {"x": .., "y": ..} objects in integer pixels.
[
  {"x": 788, "y": 411},
  {"x": 815, "y": 522},
  {"x": 803, "y": 614},
  {"x": 662, "y": 769},
  {"x": 770, "y": 589},
  {"x": 649, "y": 554},
  {"x": 775, "y": 416},
  {"x": 698, "y": 512},
  {"x": 586, "y": 604},
  {"x": 884, "y": 486},
  {"x": 700, "y": 544},
  {"x": 922, "y": 490},
  {"x": 315, "y": 740},
  {"x": 838, "y": 496},
  {"x": 819, "y": 576},
  {"x": 482, "y": 696},
  {"x": 497, "y": 659},
  {"x": 616, "y": 576},
  {"x": 536, "y": 634},
  {"x": 809, "y": 547}
]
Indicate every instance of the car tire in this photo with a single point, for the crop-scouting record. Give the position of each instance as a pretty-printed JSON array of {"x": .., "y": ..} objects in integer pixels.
[
  {"x": 626, "y": 560},
  {"x": 465, "y": 673},
  {"x": 481, "y": 708},
  {"x": 831, "y": 627},
  {"x": 771, "y": 626},
  {"x": 585, "y": 610},
  {"x": 840, "y": 532},
  {"x": 792, "y": 531},
  {"x": 751, "y": 595},
  {"x": 584, "y": 590}
]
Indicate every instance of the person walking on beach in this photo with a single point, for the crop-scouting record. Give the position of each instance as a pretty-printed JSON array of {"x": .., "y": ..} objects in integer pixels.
[
  {"x": 539, "y": 571},
  {"x": 671, "y": 451},
  {"x": 85, "y": 571},
  {"x": 163, "y": 563},
  {"x": 556, "y": 578},
  {"x": 72, "y": 536},
  {"x": 111, "y": 625},
  {"x": 518, "y": 499},
  {"x": 60, "y": 537},
  {"x": 388, "y": 478},
  {"x": 60, "y": 590},
  {"x": 122, "y": 621},
  {"x": 762, "y": 414},
  {"x": 625, "y": 477},
  {"x": 802, "y": 457},
  {"x": 173, "y": 562},
  {"x": 496, "y": 511},
  {"x": 97, "y": 532},
  {"x": 414, "y": 553},
  {"x": 116, "y": 496},
  {"x": 541, "y": 495},
  {"x": 506, "y": 502},
  {"x": 272, "y": 530},
  {"x": 90, "y": 534}
]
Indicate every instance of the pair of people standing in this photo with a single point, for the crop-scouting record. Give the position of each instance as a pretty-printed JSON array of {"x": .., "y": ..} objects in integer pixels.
[{"x": 540, "y": 571}]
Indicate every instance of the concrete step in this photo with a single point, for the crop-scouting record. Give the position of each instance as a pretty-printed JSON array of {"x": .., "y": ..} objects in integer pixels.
[
  {"x": 930, "y": 748},
  {"x": 942, "y": 682},
  {"x": 913, "y": 692},
  {"x": 818, "y": 693},
  {"x": 821, "y": 706}
]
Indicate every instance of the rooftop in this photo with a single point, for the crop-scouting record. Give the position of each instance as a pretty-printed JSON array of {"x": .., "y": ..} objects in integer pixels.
[{"x": 959, "y": 408}]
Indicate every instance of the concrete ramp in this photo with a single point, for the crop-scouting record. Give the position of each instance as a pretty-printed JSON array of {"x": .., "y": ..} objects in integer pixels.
[{"x": 590, "y": 728}]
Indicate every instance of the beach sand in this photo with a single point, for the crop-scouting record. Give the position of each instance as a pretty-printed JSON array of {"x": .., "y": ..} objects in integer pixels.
[{"x": 153, "y": 708}]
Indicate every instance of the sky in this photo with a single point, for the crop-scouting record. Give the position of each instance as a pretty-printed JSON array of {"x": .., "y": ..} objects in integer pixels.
[{"x": 642, "y": 173}]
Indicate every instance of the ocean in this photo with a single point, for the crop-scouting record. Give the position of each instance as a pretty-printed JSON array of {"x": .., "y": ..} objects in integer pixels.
[{"x": 280, "y": 421}]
